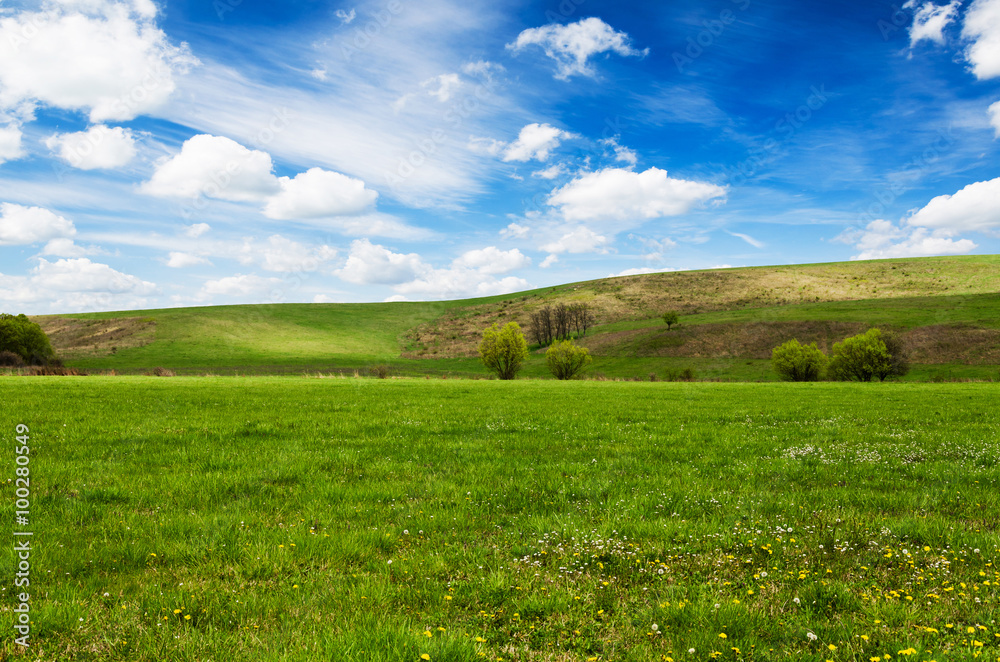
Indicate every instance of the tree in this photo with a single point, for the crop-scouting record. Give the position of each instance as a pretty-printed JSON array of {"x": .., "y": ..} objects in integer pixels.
[
  {"x": 899, "y": 356},
  {"x": 566, "y": 360},
  {"x": 25, "y": 338},
  {"x": 795, "y": 362},
  {"x": 670, "y": 318},
  {"x": 860, "y": 357},
  {"x": 504, "y": 350}
]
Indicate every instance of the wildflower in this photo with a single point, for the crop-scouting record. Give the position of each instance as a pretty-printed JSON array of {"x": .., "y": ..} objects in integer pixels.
[
  {"x": 796, "y": 601},
  {"x": 812, "y": 637},
  {"x": 691, "y": 651},
  {"x": 832, "y": 647},
  {"x": 425, "y": 656},
  {"x": 722, "y": 635},
  {"x": 654, "y": 627}
]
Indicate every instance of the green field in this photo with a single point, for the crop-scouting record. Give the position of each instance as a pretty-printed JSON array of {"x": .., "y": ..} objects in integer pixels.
[{"x": 359, "y": 519}]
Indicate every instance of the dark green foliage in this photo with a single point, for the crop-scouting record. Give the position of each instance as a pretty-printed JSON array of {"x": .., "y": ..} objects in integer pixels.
[
  {"x": 566, "y": 360},
  {"x": 899, "y": 357},
  {"x": 25, "y": 338},
  {"x": 795, "y": 362},
  {"x": 670, "y": 318}
]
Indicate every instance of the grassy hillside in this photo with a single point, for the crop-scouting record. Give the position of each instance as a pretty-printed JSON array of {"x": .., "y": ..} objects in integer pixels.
[{"x": 949, "y": 309}]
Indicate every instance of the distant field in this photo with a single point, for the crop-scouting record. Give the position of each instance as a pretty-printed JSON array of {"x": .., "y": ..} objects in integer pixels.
[
  {"x": 357, "y": 519},
  {"x": 948, "y": 309}
]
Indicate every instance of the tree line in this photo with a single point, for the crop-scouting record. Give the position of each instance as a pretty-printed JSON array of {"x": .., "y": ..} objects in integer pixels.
[
  {"x": 864, "y": 357},
  {"x": 551, "y": 323}
]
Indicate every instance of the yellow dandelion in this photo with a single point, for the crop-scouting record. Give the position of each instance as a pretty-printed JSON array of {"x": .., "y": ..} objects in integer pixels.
[
  {"x": 425, "y": 656},
  {"x": 722, "y": 635},
  {"x": 832, "y": 647}
]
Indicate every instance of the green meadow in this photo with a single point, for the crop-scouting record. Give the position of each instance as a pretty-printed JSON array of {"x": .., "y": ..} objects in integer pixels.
[{"x": 292, "y": 518}]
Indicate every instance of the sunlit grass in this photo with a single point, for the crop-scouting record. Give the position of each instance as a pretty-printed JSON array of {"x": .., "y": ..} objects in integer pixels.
[{"x": 359, "y": 519}]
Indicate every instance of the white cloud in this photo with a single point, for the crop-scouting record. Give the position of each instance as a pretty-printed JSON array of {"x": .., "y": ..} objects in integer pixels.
[
  {"x": 178, "y": 260},
  {"x": 70, "y": 285},
  {"x": 580, "y": 240},
  {"x": 281, "y": 254},
  {"x": 102, "y": 57},
  {"x": 882, "y": 239},
  {"x": 446, "y": 86},
  {"x": 750, "y": 240},
  {"x": 535, "y": 142},
  {"x": 930, "y": 20},
  {"x": 617, "y": 194},
  {"x": 549, "y": 260},
  {"x": 572, "y": 45},
  {"x": 369, "y": 264},
  {"x": 982, "y": 29},
  {"x": 974, "y": 208},
  {"x": 622, "y": 153},
  {"x": 345, "y": 16},
  {"x": 486, "y": 146},
  {"x": 65, "y": 247},
  {"x": 515, "y": 231},
  {"x": 551, "y": 172},
  {"x": 82, "y": 275},
  {"x": 491, "y": 260},
  {"x": 28, "y": 225},
  {"x": 10, "y": 143},
  {"x": 215, "y": 167},
  {"x": 242, "y": 287},
  {"x": 647, "y": 270},
  {"x": 319, "y": 193},
  {"x": 994, "y": 111},
  {"x": 98, "y": 147},
  {"x": 458, "y": 284},
  {"x": 196, "y": 230}
]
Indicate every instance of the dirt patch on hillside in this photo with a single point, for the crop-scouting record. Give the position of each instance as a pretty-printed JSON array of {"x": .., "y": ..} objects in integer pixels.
[
  {"x": 953, "y": 344},
  {"x": 457, "y": 332},
  {"x": 77, "y": 338}
]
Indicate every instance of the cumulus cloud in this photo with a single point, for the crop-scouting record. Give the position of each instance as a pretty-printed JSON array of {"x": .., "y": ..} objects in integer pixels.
[
  {"x": 622, "y": 153},
  {"x": 319, "y": 193},
  {"x": 281, "y": 254},
  {"x": 551, "y": 172},
  {"x": 442, "y": 87},
  {"x": 215, "y": 167},
  {"x": 549, "y": 261},
  {"x": 580, "y": 240},
  {"x": 618, "y": 194},
  {"x": 883, "y": 239},
  {"x": 994, "y": 111},
  {"x": 535, "y": 141},
  {"x": 515, "y": 231},
  {"x": 648, "y": 270},
  {"x": 10, "y": 143},
  {"x": 28, "y": 225},
  {"x": 178, "y": 260},
  {"x": 74, "y": 285},
  {"x": 457, "y": 284},
  {"x": 65, "y": 247},
  {"x": 982, "y": 30},
  {"x": 573, "y": 44},
  {"x": 196, "y": 230},
  {"x": 930, "y": 20},
  {"x": 370, "y": 264},
  {"x": 974, "y": 208},
  {"x": 106, "y": 58},
  {"x": 492, "y": 260},
  {"x": 241, "y": 287},
  {"x": 97, "y": 147}
]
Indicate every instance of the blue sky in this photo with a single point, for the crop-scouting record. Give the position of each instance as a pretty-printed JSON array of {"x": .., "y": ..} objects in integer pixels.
[{"x": 159, "y": 154}]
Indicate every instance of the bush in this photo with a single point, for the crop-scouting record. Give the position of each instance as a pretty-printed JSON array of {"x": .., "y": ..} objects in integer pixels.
[
  {"x": 9, "y": 359},
  {"x": 688, "y": 375},
  {"x": 899, "y": 356},
  {"x": 503, "y": 350},
  {"x": 860, "y": 357},
  {"x": 380, "y": 371},
  {"x": 162, "y": 372},
  {"x": 566, "y": 360},
  {"x": 795, "y": 362},
  {"x": 670, "y": 318},
  {"x": 25, "y": 338}
]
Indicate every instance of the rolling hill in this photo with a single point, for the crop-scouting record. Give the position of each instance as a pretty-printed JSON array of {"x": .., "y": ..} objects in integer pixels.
[{"x": 948, "y": 308}]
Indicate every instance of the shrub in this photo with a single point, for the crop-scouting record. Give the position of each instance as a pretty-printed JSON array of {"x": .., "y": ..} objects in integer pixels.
[
  {"x": 9, "y": 359},
  {"x": 670, "y": 318},
  {"x": 503, "y": 350},
  {"x": 860, "y": 357},
  {"x": 899, "y": 356},
  {"x": 566, "y": 360},
  {"x": 795, "y": 362},
  {"x": 162, "y": 372},
  {"x": 688, "y": 375},
  {"x": 25, "y": 338},
  {"x": 380, "y": 371}
]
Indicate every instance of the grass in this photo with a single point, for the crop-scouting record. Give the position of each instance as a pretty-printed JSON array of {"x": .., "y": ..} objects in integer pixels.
[{"x": 360, "y": 519}]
